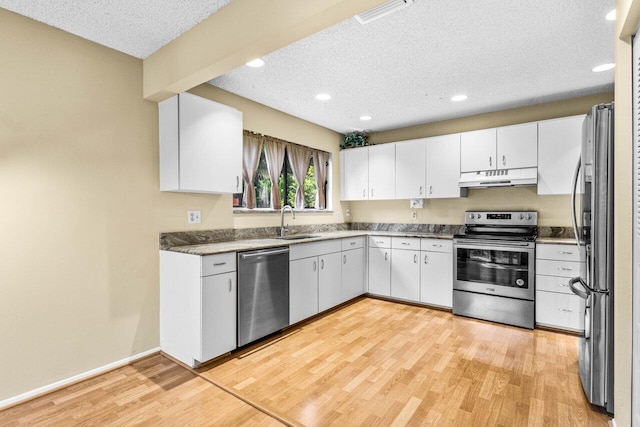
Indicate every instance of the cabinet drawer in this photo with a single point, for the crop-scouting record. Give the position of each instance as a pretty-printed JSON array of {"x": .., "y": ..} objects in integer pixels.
[
  {"x": 380, "y": 242},
  {"x": 560, "y": 310},
  {"x": 558, "y": 252},
  {"x": 437, "y": 245},
  {"x": 405, "y": 243},
  {"x": 553, "y": 284},
  {"x": 306, "y": 250},
  {"x": 219, "y": 263},
  {"x": 558, "y": 268},
  {"x": 352, "y": 243}
]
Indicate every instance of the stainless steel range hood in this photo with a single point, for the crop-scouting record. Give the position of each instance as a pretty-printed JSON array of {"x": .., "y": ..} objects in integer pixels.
[{"x": 499, "y": 178}]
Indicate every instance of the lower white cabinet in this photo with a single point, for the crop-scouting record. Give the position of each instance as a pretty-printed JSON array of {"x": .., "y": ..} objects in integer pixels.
[
  {"x": 303, "y": 289},
  {"x": 556, "y": 305},
  {"x": 380, "y": 266},
  {"x": 329, "y": 281},
  {"x": 405, "y": 268},
  {"x": 352, "y": 273},
  {"x": 436, "y": 272},
  {"x": 198, "y": 299}
]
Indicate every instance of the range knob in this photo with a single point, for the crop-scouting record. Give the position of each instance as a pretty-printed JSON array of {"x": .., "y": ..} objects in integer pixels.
[
  {"x": 471, "y": 216},
  {"x": 521, "y": 216},
  {"x": 479, "y": 216},
  {"x": 529, "y": 217}
]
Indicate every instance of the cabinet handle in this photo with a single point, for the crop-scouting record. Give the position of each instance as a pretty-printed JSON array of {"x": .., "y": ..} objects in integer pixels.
[
  {"x": 321, "y": 264},
  {"x": 435, "y": 245},
  {"x": 565, "y": 269},
  {"x": 430, "y": 189},
  {"x": 385, "y": 256},
  {"x": 315, "y": 266},
  {"x": 372, "y": 192},
  {"x": 379, "y": 242},
  {"x": 352, "y": 243},
  {"x": 364, "y": 192},
  {"x": 566, "y": 310},
  {"x": 405, "y": 243},
  {"x": 230, "y": 285},
  {"x": 490, "y": 161},
  {"x": 237, "y": 182},
  {"x": 565, "y": 252},
  {"x": 504, "y": 160},
  {"x": 415, "y": 259},
  {"x": 426, "y": 259},
  {"x": 421, "y": 190},
  {"x": 562, "y": 285},
  {"x": 219, "y": 264},
  {"x": 344, "y": 259}
]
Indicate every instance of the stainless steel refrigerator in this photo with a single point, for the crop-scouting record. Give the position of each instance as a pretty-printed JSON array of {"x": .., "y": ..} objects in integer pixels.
[{"x": 592, "y": 207}]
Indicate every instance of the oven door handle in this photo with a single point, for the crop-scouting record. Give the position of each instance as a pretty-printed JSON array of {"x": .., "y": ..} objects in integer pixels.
[{"x": 476, "y": 243}]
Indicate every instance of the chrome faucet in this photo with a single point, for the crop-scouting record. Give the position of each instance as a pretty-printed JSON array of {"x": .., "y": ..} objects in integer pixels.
[{"x": 283, "y": 229}]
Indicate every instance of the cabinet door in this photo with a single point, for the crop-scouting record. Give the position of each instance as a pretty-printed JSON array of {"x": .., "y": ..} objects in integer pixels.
[
  {"x": 218, "y": 316},
  {"x": 380, "y": 271},
  {"x": 443, "y": 167},
  {"x": 382, "y": 172},
  {"x": 436, "y": 278},
  {"x": 303, "y": 289},
  {"x": 405, "y": 275},
  {"x": 559, "y": 143},
  {"x": 410, "y": 169},
  {"x": 210, "y": 146},
  {"x": 329, "y": 281},
  {"x": 356, "y": 174},
  {"x": 352, "y": 273},
  {"x": 518, "y": 146},
  {"x": 478, "y": 150}
]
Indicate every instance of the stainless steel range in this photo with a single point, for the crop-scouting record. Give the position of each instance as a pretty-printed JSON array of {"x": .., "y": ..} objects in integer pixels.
[{"x": 494, "y": 267}]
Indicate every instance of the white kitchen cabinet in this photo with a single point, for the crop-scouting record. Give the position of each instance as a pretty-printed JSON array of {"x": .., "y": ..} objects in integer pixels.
[
  {"x": 411, "y": 169},
  {"x": 443, "y": 167},
  {"x": 303, "y": 289},
  {"x": 329, "y": 281},
  {"x": 405, "y": 268},
  {"x": 478, "y": 150},
  {"x": 198, "y": 299},
  {"x": 517, "y": 146},
  {"x": 559, "y": 142},
  {"x": 556, "y": 305},
  {"x": 382, "y": 172},
  {"x": 352, "y": 273},
  {"x": 200, "y": 145},
  {"x": 355, "y": 173},
  {"x": 436, "y": 272},
  {"x": 379, "y": 265}
]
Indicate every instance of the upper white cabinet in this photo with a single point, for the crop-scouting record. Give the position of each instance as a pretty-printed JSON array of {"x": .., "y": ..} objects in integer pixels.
[
  {"x": 558, "y": 153},
  {"x": 382, "y": 171},
  {"x": 200, "y": 145},
  {"x": 355, "y": 179},
  {"x": 478, "y": 150},
  {"x": 517, "y": 146},
  {"x": 410, "y": 169},
  {"x": 443, "y": 167}
]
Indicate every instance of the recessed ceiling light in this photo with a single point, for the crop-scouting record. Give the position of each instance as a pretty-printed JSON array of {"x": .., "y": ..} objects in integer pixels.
[
  {"x": 323, "y": 97},
  {"x": 365, "y": 117},
  {"x": 611, "y": 16},
  {"x": 256, "y": 63},
  {"x": 458, "y": 98},
  {"x": 603, "y": 67}
]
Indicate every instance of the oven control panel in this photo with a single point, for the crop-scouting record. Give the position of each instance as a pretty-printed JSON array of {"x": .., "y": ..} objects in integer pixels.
[{"x": 501, "y": 218}]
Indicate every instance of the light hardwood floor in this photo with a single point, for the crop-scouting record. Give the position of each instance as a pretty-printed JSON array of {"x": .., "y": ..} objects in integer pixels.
[{"x": 372, "y": 362}]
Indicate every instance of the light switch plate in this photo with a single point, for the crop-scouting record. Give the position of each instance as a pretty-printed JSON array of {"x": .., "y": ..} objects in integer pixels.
[{"x": 193, "y": 217}]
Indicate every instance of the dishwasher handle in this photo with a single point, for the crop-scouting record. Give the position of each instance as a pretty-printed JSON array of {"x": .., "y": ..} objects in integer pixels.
[{"x": 256, "y": 254}]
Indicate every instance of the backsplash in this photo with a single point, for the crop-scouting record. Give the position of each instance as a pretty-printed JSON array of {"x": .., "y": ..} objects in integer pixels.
[{"x": 417, "y": 228}]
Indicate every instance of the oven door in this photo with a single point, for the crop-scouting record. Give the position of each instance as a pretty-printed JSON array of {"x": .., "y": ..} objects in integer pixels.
[{"x": 495, "y": 267}]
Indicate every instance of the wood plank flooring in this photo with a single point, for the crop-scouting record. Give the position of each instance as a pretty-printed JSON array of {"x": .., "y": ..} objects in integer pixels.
[{"x": 372, "y": 362}]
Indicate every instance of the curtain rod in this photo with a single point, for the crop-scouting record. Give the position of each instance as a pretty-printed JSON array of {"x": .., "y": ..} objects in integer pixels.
[{"x": 282, "y": 141}]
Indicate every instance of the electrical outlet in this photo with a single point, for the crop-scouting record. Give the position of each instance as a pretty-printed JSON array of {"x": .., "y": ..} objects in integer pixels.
[
  {"x": 414, "y": 215},
  {"x": 339, "y": 216},
  {"x": 193, "y": 217},
  {"x": 348, "y": 212}
]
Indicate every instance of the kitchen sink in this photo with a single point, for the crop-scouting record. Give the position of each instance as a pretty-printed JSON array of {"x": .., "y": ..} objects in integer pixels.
[{"x": 298, "y": 236}]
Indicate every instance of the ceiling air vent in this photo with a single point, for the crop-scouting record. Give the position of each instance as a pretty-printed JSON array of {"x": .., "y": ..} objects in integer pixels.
[{"x": 382, "y": 10}]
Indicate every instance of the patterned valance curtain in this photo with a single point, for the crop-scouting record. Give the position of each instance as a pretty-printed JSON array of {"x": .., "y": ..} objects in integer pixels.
[
  {"x": 320, "y": 163},
  {"x": 299, "y": 159},
  {"x": 251, "y": 149},
  {"x": 274, "y": 154}
]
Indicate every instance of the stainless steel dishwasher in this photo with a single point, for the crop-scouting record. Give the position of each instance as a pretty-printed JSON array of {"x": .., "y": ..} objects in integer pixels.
[{"x": 263, "y": 293}]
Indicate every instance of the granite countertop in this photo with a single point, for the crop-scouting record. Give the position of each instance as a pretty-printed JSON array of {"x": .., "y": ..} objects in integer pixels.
[{"x": 251, "y": 244}]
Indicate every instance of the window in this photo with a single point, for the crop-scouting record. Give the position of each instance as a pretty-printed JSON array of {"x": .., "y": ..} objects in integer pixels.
[{"x": 287, "y": 184}]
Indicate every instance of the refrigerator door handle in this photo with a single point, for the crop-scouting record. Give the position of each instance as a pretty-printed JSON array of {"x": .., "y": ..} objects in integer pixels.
[
  {"x": 574, "y": 221},
  {"x": 582, "y": 293}
]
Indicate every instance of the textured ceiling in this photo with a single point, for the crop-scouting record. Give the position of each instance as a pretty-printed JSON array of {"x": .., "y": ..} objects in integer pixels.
[
  {"x": 404, "y": 68},
  {"x": 135, "y": 27}
]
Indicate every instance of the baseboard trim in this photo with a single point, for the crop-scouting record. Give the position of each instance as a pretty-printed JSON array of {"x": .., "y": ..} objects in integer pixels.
[
  {"x": 613, "y": 422},
  {"x": 21, "y": 398}
]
